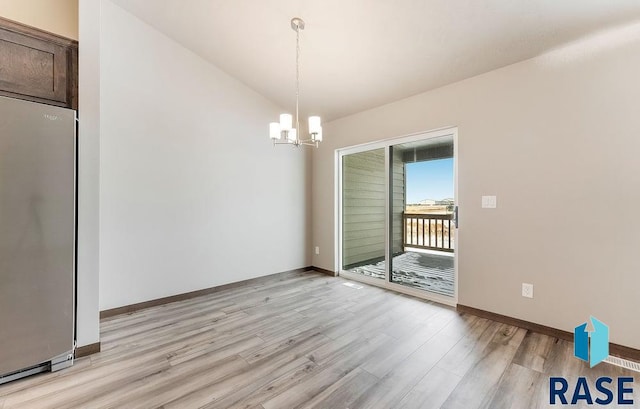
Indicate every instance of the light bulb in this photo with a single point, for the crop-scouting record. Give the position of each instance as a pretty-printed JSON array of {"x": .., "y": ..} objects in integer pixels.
[
  {"x": 286, "y": 121},
  {"x": 274, "y": 130},
  {"x": 314, "y": 124},
  {"x": 292, "y": 135}
]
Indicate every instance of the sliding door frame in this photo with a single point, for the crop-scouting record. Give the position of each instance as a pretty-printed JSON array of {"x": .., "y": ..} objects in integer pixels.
[{"x": 386, "y": 144}]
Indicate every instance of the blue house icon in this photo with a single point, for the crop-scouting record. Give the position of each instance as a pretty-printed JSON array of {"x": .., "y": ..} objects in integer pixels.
[{"x": 595, "y": 351}]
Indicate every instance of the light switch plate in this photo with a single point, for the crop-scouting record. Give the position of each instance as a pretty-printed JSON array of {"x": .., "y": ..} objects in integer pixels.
[{"x": 489, "y": 202}]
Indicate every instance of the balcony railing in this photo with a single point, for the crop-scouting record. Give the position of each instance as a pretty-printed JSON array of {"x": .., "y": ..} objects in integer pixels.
[{"x": 429, "y": 231}]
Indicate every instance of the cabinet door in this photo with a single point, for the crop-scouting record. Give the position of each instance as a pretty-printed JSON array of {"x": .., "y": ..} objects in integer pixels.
[{"x": 33, "y": 67}]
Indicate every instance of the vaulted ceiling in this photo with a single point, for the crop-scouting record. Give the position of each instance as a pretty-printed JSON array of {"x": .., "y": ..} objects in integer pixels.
[{"x": 358, "y": 54}]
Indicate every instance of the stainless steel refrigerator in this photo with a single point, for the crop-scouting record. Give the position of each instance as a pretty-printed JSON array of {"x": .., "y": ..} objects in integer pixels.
[{"x": 37, "y": 237}]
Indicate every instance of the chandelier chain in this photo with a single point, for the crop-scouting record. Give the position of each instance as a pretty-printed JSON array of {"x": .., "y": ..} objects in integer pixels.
[{"x": 297, "y": 75}]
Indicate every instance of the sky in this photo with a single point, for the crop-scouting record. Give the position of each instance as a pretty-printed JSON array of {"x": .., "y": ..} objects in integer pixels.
[{"x": 431, "y": 179}]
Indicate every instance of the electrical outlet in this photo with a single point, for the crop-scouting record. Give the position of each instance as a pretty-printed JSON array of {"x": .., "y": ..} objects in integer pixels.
[
  {"x": 527, "y": 290},
  {"x": 489, "y": 202},
  {"x": 317, "y": 250}
]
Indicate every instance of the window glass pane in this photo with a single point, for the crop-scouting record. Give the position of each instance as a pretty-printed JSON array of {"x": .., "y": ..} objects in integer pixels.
[
  {"x": 422, "y": 230},
  {"x": 363, "y": 213}
]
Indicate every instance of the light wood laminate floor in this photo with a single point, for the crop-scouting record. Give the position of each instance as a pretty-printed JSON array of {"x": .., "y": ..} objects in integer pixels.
[{"x": 307, "y": 340}]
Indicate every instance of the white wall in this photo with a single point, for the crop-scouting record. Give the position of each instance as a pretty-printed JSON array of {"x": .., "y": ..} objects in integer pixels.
[
  {"x": 88, "y": 328},
  {"x": 557, "y": 139},
  {"x": 192, "y": 194}
]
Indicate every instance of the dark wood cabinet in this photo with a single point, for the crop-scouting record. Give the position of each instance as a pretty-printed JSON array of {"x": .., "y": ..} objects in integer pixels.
[{"x": 38, "y": 66}]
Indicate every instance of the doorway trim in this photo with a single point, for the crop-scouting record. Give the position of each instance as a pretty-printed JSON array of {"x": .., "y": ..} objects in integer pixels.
[{"x": 386, "y": 143}]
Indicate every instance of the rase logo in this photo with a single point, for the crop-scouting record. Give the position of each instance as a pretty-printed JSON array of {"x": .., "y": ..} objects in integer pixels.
[
  {"x": 595, "y": 351},
  {"x": 591, "y": 346}
]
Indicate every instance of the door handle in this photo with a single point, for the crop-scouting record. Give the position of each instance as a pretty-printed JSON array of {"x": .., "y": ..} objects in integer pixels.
[{"x": 455, "y": 216}]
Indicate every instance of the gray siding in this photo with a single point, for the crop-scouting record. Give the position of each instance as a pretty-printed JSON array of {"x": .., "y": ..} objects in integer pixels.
[
  {"x": 397, "y": 210},
  {"x": 363, "y": 200}
]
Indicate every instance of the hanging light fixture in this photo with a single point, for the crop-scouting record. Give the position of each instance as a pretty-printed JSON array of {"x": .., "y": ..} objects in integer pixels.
[{"x": 287, "y": 130}]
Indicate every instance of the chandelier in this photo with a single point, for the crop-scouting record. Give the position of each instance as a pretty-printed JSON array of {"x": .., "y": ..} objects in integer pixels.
[{"x": 286, "y": 130}]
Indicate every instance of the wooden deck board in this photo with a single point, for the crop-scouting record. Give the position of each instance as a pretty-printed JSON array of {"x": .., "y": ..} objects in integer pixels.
[{"x": 429, "y": 272}]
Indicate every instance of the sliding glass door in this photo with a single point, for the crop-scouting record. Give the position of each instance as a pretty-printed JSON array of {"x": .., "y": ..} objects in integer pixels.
[
  {"x": 423, "y": 224},
  {"x": 363, "y": 213},
  {"x": 398, "y": 214}
]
